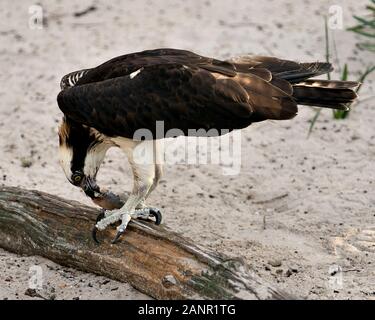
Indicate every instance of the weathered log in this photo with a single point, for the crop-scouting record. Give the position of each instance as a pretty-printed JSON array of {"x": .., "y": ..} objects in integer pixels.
[{"x": 153, "y": 259}]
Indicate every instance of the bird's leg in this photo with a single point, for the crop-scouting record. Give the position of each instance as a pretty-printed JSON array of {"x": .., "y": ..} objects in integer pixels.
[
  {"x": 142, "y": 210},
  {"x": 144, "y": 175},
  {"x": 128, "y": 211}
]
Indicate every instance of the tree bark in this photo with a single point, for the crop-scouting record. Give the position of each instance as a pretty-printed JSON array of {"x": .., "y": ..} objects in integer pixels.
[{"x": 153, "y": 259}]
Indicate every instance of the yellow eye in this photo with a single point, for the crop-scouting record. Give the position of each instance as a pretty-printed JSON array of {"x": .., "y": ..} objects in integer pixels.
[{"x": 77, "y": 177}]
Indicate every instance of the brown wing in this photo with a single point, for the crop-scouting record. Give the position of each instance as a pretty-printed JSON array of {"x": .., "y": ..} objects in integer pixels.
[
  {"x": 126, "y": 64},
  {"x": 206, "y": 95},
  {"x": 288, "y": 70},
  {"x": 182, "y": 97},
  {"x": 181, "y": 88}
]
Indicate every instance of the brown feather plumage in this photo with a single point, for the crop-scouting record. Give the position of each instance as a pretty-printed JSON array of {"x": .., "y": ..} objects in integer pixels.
[{"x": 189, "y": 91}]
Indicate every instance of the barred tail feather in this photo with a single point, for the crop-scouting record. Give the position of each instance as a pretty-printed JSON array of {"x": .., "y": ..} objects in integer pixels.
[{"x": 326, "y": 93}]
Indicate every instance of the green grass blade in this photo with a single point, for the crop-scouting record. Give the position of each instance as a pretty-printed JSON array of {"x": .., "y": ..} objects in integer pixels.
[
  {"x": 327, "y": 44},
  {"x": 345, "y": 73},
  {"x": 319, "y": 110},
  {"x": 367, "y": 46},
  {"x": 361, "y": 32},
  {"x": 342, "y": 114},
  {"x": 313, "y": 120},
  {"x": 365, "y": 22},
  {"x": 364, "y": 75}
]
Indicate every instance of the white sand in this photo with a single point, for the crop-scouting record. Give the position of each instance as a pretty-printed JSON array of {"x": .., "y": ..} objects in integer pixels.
[{"x": 327, "y": 215}]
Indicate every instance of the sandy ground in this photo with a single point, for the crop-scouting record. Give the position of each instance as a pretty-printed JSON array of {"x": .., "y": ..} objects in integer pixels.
[{"x": 299, "y": 209}]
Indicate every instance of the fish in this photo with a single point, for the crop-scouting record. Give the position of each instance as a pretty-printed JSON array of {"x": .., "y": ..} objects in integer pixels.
[{"x": 109, "y": 200}]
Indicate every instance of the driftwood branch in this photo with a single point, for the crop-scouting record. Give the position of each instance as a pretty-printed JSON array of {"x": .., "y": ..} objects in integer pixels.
[{"x": 151, "y": 258}]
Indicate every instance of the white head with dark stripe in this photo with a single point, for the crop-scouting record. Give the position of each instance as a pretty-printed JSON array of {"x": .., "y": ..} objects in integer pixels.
[{"x": 81, "y": 152}]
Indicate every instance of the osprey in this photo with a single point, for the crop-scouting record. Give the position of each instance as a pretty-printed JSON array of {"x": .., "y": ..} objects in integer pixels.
[{"x": 105, "y": 106}]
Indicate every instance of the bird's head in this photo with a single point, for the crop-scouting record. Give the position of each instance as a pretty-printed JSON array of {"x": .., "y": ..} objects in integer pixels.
[{"x": 81, "y": 152}]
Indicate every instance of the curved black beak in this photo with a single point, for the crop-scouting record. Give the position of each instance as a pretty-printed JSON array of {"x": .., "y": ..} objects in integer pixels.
[{"x": 90, "y": 187}]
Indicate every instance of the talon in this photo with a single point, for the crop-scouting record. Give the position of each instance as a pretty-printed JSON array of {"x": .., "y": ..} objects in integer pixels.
[
  {"x": 157, "y": 215},
  {"x": 93, "y": 234},
  {"x": 94, "y": 231},
  {"x": 118, "y": 235},
  {"x": 101, "y": 215}
]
